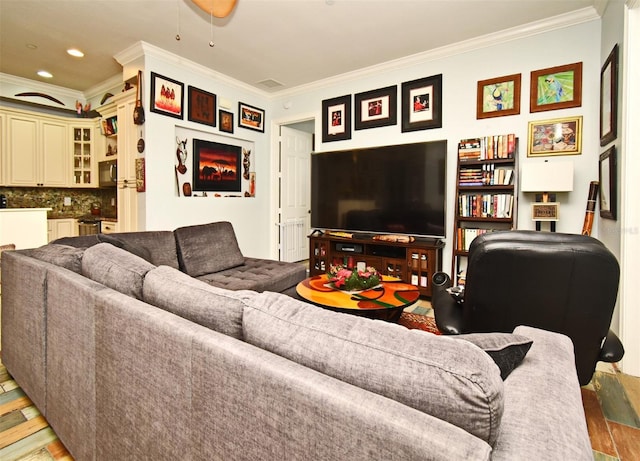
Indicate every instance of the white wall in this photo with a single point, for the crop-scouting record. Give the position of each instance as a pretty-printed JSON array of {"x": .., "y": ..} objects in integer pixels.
[{"x": 461, "y": 72}]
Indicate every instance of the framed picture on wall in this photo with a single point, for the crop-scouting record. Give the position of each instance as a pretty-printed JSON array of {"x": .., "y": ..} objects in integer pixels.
[
  {"x": 336, "y": 119},
  {"x": 557, "y": 87},
  {"x": 498, "y": 96},
  {"x": 226, "y": 121},
  {"x": 608, "y": 183},
  {"x": 250, "y": 117},
  {"x": 376, "y": 108},
  {"x": 560, "y": 136},
  {"x": 422, "y": 104},
  {"x": 202, "y": 106},
  {"x": 609, "y": 98},
  {"x": 167, "y": 96}
]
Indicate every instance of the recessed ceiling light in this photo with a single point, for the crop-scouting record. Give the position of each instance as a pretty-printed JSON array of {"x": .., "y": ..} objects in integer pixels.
[
  {"x": 75, "y": 53},
  {"x": 45, "y": 74}
]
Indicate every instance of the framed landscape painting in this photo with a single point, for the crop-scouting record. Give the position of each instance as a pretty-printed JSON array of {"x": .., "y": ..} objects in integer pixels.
[
  {"x": 422, "y": 104},
  {"x": 250, "y": 117},
  {"x": 498, "y": 96},
  {"x": 556, "y": 88},
  {"x": 336, "y": 119}
]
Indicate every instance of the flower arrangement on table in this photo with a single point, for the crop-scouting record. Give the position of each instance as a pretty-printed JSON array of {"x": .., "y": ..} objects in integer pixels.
[{"x": 343, "y": 278}]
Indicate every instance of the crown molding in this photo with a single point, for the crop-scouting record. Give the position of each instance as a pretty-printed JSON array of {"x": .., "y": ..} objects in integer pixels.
[
  {"x": 495, "y": 38},
  {"x": 633, "y": 4},
  {"x": 143, "y": 49},
  {"x": 35, "y": 85}
]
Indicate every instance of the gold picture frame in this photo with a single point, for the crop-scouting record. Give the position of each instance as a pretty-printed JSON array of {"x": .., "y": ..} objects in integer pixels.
[{"x": 558, "y": 136}]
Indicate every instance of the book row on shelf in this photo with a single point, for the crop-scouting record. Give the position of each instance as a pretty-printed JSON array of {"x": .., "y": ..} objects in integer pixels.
[
  {"x": 485, "y": 175},
  {"x": 110, "y": 126},
  {"x": 487, "y": 147},
  {"x": 485, "y": 205},
  {"x": 466, "y": 235}
]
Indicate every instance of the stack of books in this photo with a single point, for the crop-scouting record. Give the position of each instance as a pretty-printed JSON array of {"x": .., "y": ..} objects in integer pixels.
[{"x": 487, "y": 147}]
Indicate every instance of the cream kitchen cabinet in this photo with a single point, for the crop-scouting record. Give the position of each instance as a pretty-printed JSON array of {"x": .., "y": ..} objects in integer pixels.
[
  {"x": 36, "y": 152},
  {"x": 128, "y": 135},
  {"x": 58, "y": 228},
  {"x": 47, "y": 150}
]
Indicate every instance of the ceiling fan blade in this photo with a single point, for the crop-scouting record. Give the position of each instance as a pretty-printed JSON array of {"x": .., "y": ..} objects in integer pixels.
[{"x": 218, "y": 8}]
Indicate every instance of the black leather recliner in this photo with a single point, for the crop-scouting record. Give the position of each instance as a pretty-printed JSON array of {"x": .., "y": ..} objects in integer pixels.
[{"x": 558, "y": 282}]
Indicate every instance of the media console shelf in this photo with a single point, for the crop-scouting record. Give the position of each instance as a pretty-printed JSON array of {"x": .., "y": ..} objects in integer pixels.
[{"x": 412, "y": 262}]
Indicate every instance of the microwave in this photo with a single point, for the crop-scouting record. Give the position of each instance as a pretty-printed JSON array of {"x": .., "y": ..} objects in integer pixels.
[{"x": 108, "y": 173}]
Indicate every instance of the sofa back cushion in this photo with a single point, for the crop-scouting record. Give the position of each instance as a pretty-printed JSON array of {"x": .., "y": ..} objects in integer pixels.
[
  {"x": 447, "y": 378},
  {"x": 207, "y": 248},
  {"x": 116, "y": 268},
  {"x": 61, "y": 255},
  {"x": 212, "y": 307}
]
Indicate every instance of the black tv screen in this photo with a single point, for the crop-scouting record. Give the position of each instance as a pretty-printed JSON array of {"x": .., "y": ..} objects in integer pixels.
[{"x": 386, "y": 190}]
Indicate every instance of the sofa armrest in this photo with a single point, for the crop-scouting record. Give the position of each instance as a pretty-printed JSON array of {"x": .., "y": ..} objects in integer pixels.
[
  {"x": 612, "y": 348},
  {"x": 447, "y": 311}
]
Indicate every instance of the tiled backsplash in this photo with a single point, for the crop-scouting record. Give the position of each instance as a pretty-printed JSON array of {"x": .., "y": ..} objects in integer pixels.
[{"x": 82, "y": 200}]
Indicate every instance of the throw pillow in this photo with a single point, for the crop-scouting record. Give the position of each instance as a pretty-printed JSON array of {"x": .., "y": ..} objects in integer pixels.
[
  {"x": 116, "y": 268},
  {"x": 207, "y": 248},
  {"x": 61, "y": 255},
  {"x": 136, "y": 250},
  {"x": 506, "y": 349},
  {"x": 450, "y": 379}
]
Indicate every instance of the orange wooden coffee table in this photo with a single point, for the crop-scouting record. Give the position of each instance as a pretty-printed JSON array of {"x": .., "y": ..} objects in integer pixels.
[{"x": 385, "y": 302}]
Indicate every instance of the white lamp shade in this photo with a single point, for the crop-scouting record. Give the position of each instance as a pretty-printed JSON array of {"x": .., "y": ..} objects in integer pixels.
[{"x": 547, "y": 176}]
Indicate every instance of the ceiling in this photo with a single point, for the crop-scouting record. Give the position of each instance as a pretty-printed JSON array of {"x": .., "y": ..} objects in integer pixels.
[{"x": 285, "y": 43}]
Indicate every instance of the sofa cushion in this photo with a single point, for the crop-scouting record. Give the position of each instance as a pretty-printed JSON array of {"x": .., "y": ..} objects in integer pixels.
[
  {"x": 207, "y": 248},
  {"x": 506, "y": 349},
  {"x": 258, "y": 275},
  {"x": 447, "y": 378},
  {"x": 115, "y": 268},
  {"x": 215, "y": 308},
  {"x": 61, "y": 255},
  {"x": 135, "y": 249}
]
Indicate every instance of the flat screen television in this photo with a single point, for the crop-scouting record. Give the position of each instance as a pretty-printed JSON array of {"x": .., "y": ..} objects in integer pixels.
[{"x": 396, "y": 189}]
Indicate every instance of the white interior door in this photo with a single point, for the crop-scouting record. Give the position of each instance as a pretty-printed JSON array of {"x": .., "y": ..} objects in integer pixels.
[{"x": 295, "y": 193}]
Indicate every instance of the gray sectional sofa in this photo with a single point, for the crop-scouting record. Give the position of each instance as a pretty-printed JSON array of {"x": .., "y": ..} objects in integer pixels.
[{"x": 131, "y": 356}]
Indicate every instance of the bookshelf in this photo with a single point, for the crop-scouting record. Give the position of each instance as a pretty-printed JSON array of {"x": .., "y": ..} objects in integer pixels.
[{"x": 486, "y": 193}]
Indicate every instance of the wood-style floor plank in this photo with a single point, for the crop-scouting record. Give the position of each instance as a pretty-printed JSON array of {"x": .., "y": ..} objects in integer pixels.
[
  {"x": 597, "y": 425},
  {"x": 627, "y": 440},
  {"x": 614, "y": 401},
  {"x": 13, "y": 405},
  {"x": 22, "y": 430}
]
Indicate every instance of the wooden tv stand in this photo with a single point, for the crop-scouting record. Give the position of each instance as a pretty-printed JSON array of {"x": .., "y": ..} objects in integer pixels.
[{"x": 412, "y": 262}]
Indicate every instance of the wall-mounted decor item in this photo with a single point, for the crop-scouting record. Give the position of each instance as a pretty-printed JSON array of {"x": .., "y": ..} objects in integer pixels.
[
  {"x": 226, "y": 121},
  {"x": 141, "y": 184},
  {"x": 376, "y": 108},
  {"x": 336, "y": 119},
  {"x": 422, "y": 104},
  {"x": 609, "y": 98},
  {"x": 216, "y": 166},
  {"x": 560, "y": 136},
  {"x": 252, "y": 184},
  {"x": 556, "y": 88},
  {"x": 250, "y": 117},
  {"x": 167, "y": 96},
  {"x": 498, "y": 96},
  {"x": 608, "y": 183},
  {"x": 202, "y": 106}
]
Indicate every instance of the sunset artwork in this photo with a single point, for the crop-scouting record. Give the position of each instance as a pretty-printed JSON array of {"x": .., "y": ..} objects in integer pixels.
[{"x": 217, "y": 166}]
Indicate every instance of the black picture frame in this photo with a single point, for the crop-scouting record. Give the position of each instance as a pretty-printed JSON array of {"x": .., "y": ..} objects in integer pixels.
[
  {"x": 609, "y": 98},
  {"x": 376, "y": 108},
  {"x": 226, "y": 121},
  {"x": 250, "y": 117},
  {"x": 336, "y": 119},
  {"x": 608, "y": 177},
  {"x": 217, "y": 166},
  {"x": 422, "y": 104},
  {"x": 202, "y": 106},
  {"x": 167, "y": 96}
]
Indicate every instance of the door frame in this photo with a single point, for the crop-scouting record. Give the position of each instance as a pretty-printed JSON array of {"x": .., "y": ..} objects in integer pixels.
[{"x": 274, "y": 196}]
